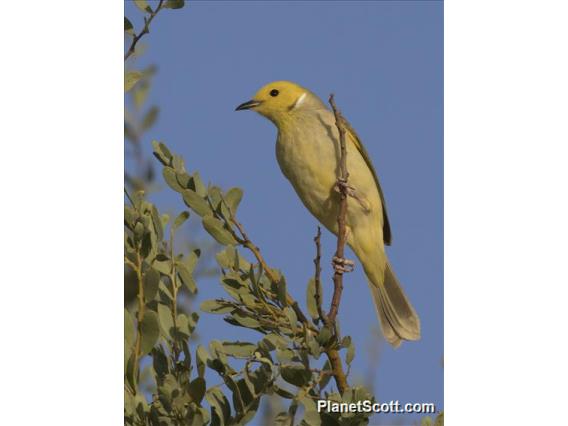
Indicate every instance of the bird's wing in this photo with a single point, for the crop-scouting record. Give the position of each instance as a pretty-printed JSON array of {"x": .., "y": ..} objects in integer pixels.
[{"x": 355, "y": 139}]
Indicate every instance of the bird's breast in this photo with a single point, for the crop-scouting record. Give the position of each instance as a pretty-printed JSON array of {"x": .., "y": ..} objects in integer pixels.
[{"x": 307, "y": 156}]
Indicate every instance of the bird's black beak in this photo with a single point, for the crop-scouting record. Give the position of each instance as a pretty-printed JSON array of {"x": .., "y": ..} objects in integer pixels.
[{"x": 248, "y": 105}]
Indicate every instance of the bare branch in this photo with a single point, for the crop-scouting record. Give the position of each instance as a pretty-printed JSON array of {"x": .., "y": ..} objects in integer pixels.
[
  {"x": 341, "y": 218},
  {"x": 332, "y": 352},
  {"x": 246, "y": 242},
  {"x": 317, "y": 277}
]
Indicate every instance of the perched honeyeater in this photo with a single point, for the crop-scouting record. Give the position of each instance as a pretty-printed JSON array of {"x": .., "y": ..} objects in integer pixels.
[{"x": 308, "y": 152}]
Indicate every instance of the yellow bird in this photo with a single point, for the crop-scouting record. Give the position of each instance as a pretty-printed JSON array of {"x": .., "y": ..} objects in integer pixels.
[{"x": 308, "y": 152}]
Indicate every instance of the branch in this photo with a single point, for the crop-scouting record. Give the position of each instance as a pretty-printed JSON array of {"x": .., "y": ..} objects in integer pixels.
[
  {"x": 246, "y": 242},
  {"x": 145, "y": 30},
  {"x": 317, "y": 277},
  {"x": 341, "y": 218},
  {"x": 332, "y": 352}
]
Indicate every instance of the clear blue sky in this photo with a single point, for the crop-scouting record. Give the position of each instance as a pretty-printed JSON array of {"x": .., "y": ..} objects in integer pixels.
[{"x": 384, "y": 62}]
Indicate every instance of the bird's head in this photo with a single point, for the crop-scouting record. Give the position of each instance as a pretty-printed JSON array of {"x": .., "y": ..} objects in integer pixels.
[{"x": 279, "y": 100}]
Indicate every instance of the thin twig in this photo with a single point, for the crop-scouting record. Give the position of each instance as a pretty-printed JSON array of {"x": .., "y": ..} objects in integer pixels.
[
  {"x": 341, "y": 217},
  {"x": 332, "y": 352},
  {"x": 145, "y": 30},
  {"x": 317, "y": 277},
  {"x": 247, "y": 243}
]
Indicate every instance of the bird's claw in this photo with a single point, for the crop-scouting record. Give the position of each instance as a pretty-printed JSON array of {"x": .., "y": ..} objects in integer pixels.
[
  {"x": 341, "y": 185},
  {"x": 342, "y": 265}
]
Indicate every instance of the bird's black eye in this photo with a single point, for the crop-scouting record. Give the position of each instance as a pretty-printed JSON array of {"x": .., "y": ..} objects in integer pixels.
[{"x": 274, "y": 92}]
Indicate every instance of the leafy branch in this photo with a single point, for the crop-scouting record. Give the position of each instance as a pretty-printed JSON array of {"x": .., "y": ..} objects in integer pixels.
[{"x": 145, "y": 30}]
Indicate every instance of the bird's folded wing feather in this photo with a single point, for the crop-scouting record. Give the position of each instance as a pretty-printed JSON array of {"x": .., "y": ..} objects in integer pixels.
[{"x": 357, "y": 142}]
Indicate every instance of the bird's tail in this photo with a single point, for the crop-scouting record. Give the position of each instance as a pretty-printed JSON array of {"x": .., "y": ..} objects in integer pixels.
[{"x": 397, "y": 316}]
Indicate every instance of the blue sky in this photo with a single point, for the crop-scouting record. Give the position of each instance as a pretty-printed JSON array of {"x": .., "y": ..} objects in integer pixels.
[{"x": 384, "y": 62}]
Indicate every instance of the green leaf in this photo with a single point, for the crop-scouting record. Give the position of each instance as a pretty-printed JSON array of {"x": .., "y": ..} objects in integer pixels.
[
  {"x": 219, "y": 404},
  {"x": 162, "y": 153},
  {"x": 191, "y": 259},
  {"x": 130, "y": 79},
  {"x": 282, "y": 292},
  {"x": 218, "y": 306},
  {"x": 197, "y": 389},
  {"x": 313, "y": 346},
  {"x": 170, "y": 178},
  {"x": 186, "y": 277},
  {"x": 143, "y": 5},
  {"x": 215, "y": 195},
  {"x": 292, "y": 318},
  {"x": 177, "y": 164},
  {"x": 151, "y": 282},
  {"x": 140, "y": 93},
  {"x": 202, "y": 358},
  {"x": 150, "y": 118},
  {"x": 311, "y": 299},
  {"x": 226, "y": 257},
  {"x": 275, "y": 341},
  {"x": 245, "y": 321},
  {"x": 198, "y": 184},
  {"x": 215, "y": 228},
  {"x": 239, "y": 349},
  {"x": 127, "y": 353},
  {"x": 184, "y": 179},
  {"x": 183, "y": 328},
  {"x": 157, "y": 222},
  {"x": 174, "y": 4},
  {"x": 311, "y": 415},
  {"x": 327, "y": 377},
  {"x": 180, "y": 219},
  {"x": 350, "y": 353},
  {"x": 286, "y": 355},
  {"x": 166, "y": 319},
  {"x": 296, "y": 375},
  {"x": 233, "y": 198},
  {"x": 160, "y": 361},
  {"x": 195, "y": 202},
  {"x": 150, "y": 330},
  {"x": 129, "y": 335},
  {"x": 324, "y": 335},
  {"x": 128, "y": 27}
]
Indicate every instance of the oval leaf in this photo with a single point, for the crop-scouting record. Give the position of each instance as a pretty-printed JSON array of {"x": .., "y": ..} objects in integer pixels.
[
  {"x": 170, "y": 178},
  {"x": 215, "y": 228},
  {"x": 296, "y": 375},
  {"x": 129, "y": 334},
  {"x": 180, "y": 220},
  {"x": 151, "y": 283},
  {"x": 195, "y": 202},
  {"x": 130, "y": 79},
  {"x": 166, "y": 320},
  {"x": 233, "y": 197},
  {"x": 150, "y": 330},
  {"x": 216, "y": 307},
  {"x": 239, "y": 349}
]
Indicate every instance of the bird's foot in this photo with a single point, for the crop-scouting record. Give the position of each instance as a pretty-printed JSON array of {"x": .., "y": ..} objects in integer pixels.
[
  {"x": 342, "y": 265},
  {"x": 342, "y": 186}
]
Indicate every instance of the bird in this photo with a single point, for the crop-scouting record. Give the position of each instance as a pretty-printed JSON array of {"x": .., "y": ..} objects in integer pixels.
[{"x": 308, "y": 153}]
